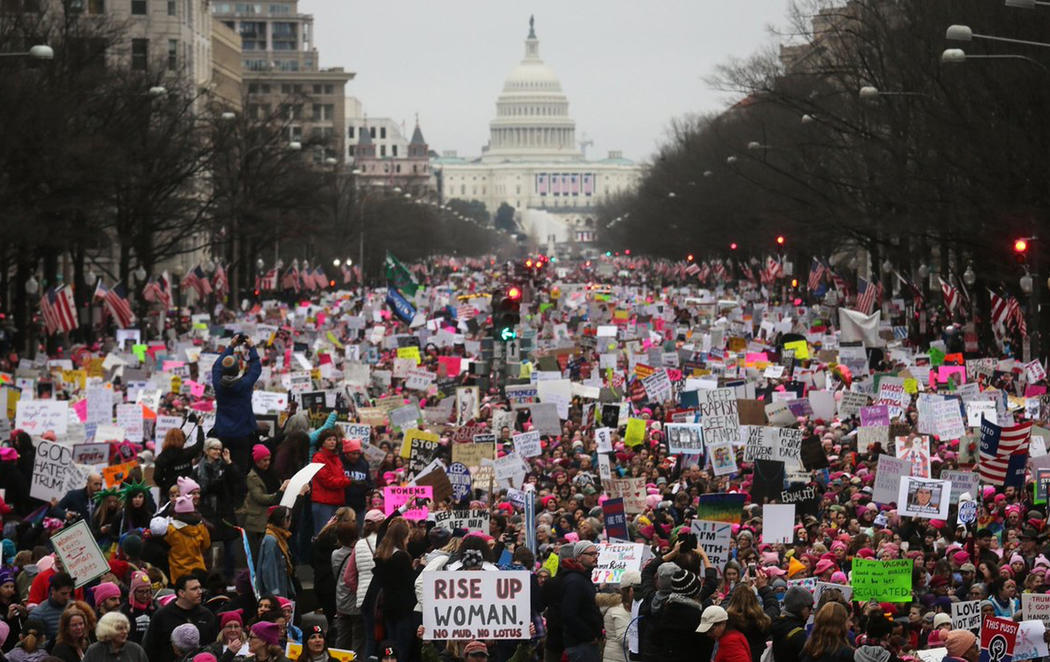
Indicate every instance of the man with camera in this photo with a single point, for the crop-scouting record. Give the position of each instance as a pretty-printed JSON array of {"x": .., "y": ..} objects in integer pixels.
[{"x": 233, "y": 382}]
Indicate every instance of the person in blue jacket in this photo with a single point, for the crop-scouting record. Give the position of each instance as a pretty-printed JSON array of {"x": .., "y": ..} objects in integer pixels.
[{"x": 235, "y": 422}]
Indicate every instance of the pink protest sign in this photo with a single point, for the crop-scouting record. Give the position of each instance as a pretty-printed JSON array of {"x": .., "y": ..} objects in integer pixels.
[{"x": 394, "y": 497}]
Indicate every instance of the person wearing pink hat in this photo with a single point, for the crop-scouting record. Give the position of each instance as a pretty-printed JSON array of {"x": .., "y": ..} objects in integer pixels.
[
  {"x": 107, "y": 597},
  {"x": 824, "y": 569},
  {"x": 355, "y": 467},
  {"x": 263, "y": 490},
  {"x": 188, "y": 538}
]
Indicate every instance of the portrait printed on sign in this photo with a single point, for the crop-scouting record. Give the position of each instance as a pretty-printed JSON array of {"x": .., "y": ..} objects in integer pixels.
[{"x": 924, "y": 498}]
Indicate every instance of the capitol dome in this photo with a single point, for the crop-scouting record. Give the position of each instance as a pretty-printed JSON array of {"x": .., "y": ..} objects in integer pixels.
[{"x": 532, "y": 113}]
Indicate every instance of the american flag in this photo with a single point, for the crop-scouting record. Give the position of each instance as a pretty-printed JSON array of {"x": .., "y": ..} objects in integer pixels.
[
  {"x": 816, "y": 274},
  {"x": 158, "y": 290},
  {"x": 348, "y": 274},
  {"x": 867, "y": 294},
  {"x": 773, "y": 270},
  {"x": 748, "y": 272},
  {"x": 198, "y": 280},
  {"x": 465, "y": 311},
  {"x": 1003, "y": 452},
  {"x": 267, "y": 281},
  {"x": 705, "y": 272},
  {"x": 320, "y": 277},
  {"x": 720, "y": 270},
  {"x": 918, "y": 300},
  {"x": 693, "y": 269},
  {"x": 840, "y": 283},
  {"x": 116, "y": 300},
  {"x": 951, "y": 295},
  {"x": 1007, "y": 311},
  {"x": 220, "y": 282},
  {"x": 290, "y": 280},
  {"x": 59, "y": 310}
]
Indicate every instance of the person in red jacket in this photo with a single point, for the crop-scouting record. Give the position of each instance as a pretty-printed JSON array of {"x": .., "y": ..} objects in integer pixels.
[
  {"x": 730, "y": 645},
  {"x": 328, "y": 488}
]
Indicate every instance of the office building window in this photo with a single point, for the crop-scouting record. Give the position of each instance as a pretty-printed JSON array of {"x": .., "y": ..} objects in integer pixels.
[
  {"x": 285, "y": 36},
  {"x": 317, "y": 89},
  {"x": 382, "y": 150},
  {"x": 138, "y": 7},
  {"x": 139, "y": 54},
  {"x": 329, "y": 89},
  {"x": 382, "y": 132},
  {"x": 253, "y": 36},
  {"x": 350, "y": 132},
  {"x": 173, "y": 54},
  {"x": 172, "y": 8},
  {"x": 372, "y": 131},
  {"x": 393, "y": 150}
]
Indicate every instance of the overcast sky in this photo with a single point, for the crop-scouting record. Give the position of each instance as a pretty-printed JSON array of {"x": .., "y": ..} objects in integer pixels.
[{"x": 628, "y": 67}]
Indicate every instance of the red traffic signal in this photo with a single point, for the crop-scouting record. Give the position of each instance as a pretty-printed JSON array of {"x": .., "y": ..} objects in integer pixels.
[
  {"x": 514, "y": 293},
  {"x": 733, "y": 246},
  {"x": 689, "y": 257},
  {"x": 1020, "y": 245},
  {"x": 780, "y": 240}
]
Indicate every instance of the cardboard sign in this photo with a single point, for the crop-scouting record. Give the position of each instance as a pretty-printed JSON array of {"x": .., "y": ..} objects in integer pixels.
[
  {"x": 778, "y": 522},
  {"x": 116, "y": 474},
  {"x": 720, "y": 417},
  {"x": 468, "y": 520},
  {"x": 998, "y": 636},
  {"x": 616, "y": 558},
  {"x": 684, "y": 438},
  {"x": 465, "y": 605},
  {"x": 54, "y": 472},
  {"x": 394, "y": 497},
  {"x": 36, "y": 417},
  {"x": 715, "y": 539},
  {"x": 631, "y": 490},
  {"x": 1035, "y": 606},
  {"x": 882, "y": 581},
  {"x": 966, "y": 615},
  {"x": 888, "y": 474},
  {"x": 264, "y": 402},
  {"x": 527, "y": 444},
  {"x": 79, "y": 552},
  {"x": 91, "y": 454},
  {"x": 962, "y": 482}
]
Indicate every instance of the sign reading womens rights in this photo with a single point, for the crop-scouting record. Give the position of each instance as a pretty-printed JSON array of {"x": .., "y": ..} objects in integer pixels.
[{"x": 394, "y": 497}]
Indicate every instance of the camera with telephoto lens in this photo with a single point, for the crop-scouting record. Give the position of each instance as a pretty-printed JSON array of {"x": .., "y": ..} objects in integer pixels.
[{"x": 688, "y": 542}]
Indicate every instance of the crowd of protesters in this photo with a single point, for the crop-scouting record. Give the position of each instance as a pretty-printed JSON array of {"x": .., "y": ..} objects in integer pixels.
[{"x": 208, "y": 555}]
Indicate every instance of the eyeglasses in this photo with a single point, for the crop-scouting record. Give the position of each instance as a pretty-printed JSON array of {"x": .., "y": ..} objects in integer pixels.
[{"x": 588, "y": 553}]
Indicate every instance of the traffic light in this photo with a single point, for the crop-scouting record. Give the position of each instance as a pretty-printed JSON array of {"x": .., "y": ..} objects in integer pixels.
[
  {"x": 506, "y": 313},
  {"x": 1021, "y": 250},
  {"x": 733, "y": 246},
  {"x": 780, "y": 240}
]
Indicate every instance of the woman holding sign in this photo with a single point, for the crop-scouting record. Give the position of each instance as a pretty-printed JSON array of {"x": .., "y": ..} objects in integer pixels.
[{"x": 393, "y": 584}]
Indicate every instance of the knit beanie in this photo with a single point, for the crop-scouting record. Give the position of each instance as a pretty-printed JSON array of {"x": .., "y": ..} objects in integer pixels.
[
  {"x": 186, "y": 637},
  {"x": 959, "y": 642},
  {"x": 581, "y": 547},
  {"x": 259, "y": 453},
  {"x": 871, "y": 654},
  {"x": 268, "y": 632},
  {"x": 685, "y": 583}
]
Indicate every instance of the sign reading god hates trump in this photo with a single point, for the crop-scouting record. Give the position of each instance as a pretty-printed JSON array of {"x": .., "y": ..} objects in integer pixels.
[{"x": 466, "y": 605}]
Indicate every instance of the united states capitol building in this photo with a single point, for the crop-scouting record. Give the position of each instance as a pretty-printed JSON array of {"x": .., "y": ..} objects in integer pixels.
[{"x": 534, "y": 163}]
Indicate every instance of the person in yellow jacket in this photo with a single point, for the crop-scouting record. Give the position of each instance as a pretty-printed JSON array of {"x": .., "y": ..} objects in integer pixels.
[{"x": 188, "y": 538}]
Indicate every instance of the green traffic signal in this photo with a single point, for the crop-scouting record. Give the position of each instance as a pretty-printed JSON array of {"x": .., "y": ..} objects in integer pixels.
[{"x": 507, "y": 333}]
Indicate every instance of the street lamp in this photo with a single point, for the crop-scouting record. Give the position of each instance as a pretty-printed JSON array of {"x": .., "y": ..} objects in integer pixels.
[
  {"x": 295, "y": 146},
  {"x": 336, "y": 262},
  {"x": 1026, "y": 4},
  {"x": 708, "y": 173},
  {"x": 731, "y": 160},
  {"x": 808, "y": 119},
  {"x": 140, "y": 273},
  {"x": 32, "y": 285},
  {"x": 259, "y": 264},
  {"x": 964, "y": 33},
  {"x": 754, "y": 146},
  {"x": 969, "y": 277},
  {"x": 38, "y": 52},
  {"x": 228, "y": 116},
  {"x": 157, "y": 91},
  {"x": 871, "y": 93},
  {"x": 958, "y": 56}
]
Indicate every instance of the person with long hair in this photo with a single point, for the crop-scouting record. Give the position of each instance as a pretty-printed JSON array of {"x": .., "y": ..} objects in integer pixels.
[
  {"x": 364, "y": 562},
  {"x": 105, "y": 521},
  {"x": 30, "y": 646},
  {"x": 315, "y": 647},
  {"x": 324, "y": 546},
  {"x": 750, "y": 618},
  {"x": 394, "y": 578},
  {"x": 112, "y": 633},
  {"x": 138, "y": 506},
  {"x": 274, "y": 571},
  {"x": 731, "y": 644},
  {"x": 829, "y": 640},
  {"x": 231, "y": 636},
  {"x": 617, "y": 619},
  {"x": 174, "y": 460},
  {"x": 72, "y": 640},
  {"x": 221, "y": 483},
  {"x": 263, "y": 644},
  {"x": 330, "y": 483}
]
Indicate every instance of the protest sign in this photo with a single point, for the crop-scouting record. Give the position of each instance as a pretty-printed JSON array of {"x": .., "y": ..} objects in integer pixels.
[
  {"x": 721, "y": 507},
  {"x": 603, "y": 437},
  {"x": 162, "y": 425},
  {"x": 962, "y": 482},
  {"x": 947, "y": 419},
  {"x": 472, "y": 454},
  {"x": 631, "y": 490},
  {"x": 658, "y": 386},
  {"x": 1035, "y": 606},
  {"x": 924, "y": 497},
  {"x": 54, "y": 472},
  {"x": 998, "y": 636},
  {"x": 722, "y": 458},
  {"x": 296, "y": 482},
  {"x": 932, "y": 654},
  {"x": 36, "y": 417},
  {"x": 404, "y": 417},
  {"x": 715, "y": 539},
  {"x": 264, "y": 402},
  {"x": 882, "y": 581},
  {"x": 1030, "y": 643},
  {"x": 395, "y": 496},
  {"x": 356, "y": 431},
  {"x": 888, "y": 474},
  {"x": 466, "y": 605},
  {"x": 851, "y": 403},
  {"x": 966, "y": 615},
  {"x": 521, "y": 396},
  {"x": 129, "y": 417},
  {"x": 616, "y": 558},
  {"x": 459, "y": 477},
  {"x": 115, "y": 474},
  {"x": 874, "y": 415},
  {"x": 720, "y": 418},
  {"x": 684, "y": 438},
  {"x": 79, "y": 553},
  {"x": 778, "y": 522},
  {"x": 527, "y": 444},
  {"x": 615, "y": 519},
  {"x": 468, "y": 520},
  {"x": 91, "y": 454},
  {"x": 805, "y": 500},
  {"x": 419, "y": 448},
  {"x": 778, "y": 413},
  {"x": 873, "y": 434}
]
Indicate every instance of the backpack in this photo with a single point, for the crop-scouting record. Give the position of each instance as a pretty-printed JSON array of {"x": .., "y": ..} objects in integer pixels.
[{"x": 767, "y": 655}]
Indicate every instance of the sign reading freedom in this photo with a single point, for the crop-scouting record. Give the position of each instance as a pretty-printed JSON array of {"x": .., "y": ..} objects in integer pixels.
[{"x": 882, "y": 581}]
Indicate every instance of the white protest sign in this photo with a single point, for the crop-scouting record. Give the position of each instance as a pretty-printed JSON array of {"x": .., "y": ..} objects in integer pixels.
[
  {"x": 527, "y": 444},
  {"x": 720, "y": 417},
  {"x": 851, "y": 403},
  {"x": 264, "y": 402},
  {"x": 966, "y": 615},
  {"x": 778, "y": 523},
  {"x": 715, "y": 539},
  {"x": 616, "y": 558},
  {"x": 1030, "y": 643},
  {"x": 603, "y": 436},
  {"x": 419, "y": 379},
  {"x": 466, "y": 605},
  {"x": 54, "y": 472},
  {"x": 924, "y": 497},
  {"x": 99, "y": 404},
  {"x": 36, "y": 417},
  {"x": 165, "y": 423},
  {"x": 129, "y": 417},
  {"x": 80, "y": 555},
  {"x": 1035, "y": 606},
  {"x": 468, "y": 520},
  {"x": 962, "y": 482},
  {"x": 947, "y": 419},
  {"x": 777, "y": 413},
  {"x": 978, "y": 409},
  {"x": 296, "y": 482},
  {"x": 888, "y": 475}
]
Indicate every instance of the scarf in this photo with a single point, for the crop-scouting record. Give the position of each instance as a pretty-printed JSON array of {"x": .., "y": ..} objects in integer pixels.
[{"x": 281, "y": 536}]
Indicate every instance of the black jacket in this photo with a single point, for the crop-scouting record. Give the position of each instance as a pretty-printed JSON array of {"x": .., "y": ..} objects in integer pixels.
[
  {"x": 844, "y": 654},
  {"x": 552, "y": 592},
  {"x": 581, "y": 618},
  {"x": 789, "y": 636},
  {"x": 157, "y": 641},
  {"x": 674, "y": 632}
]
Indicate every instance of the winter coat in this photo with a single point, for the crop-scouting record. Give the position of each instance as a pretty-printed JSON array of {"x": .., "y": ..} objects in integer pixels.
[
  {"x": 189, "y": 542},
  {"x": 674, "y": 631},
  {"x": 617, "y": 618},
  {"x": 789, "y": 636},
  {"x": 272, "y": 570},
  {"x": 733, "y": 647},
  {"x": 256, "y": 508},
  {"x": 173, "y": 464},
  {"x": 364, "y": 557},
  {"x": 581, "y": 620},
  {"x": 234, "y": 417},
  {"x": 843, "y": 654},
  {"x": 330, "y": 483},
  {"x": 100, "y": 652}
]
